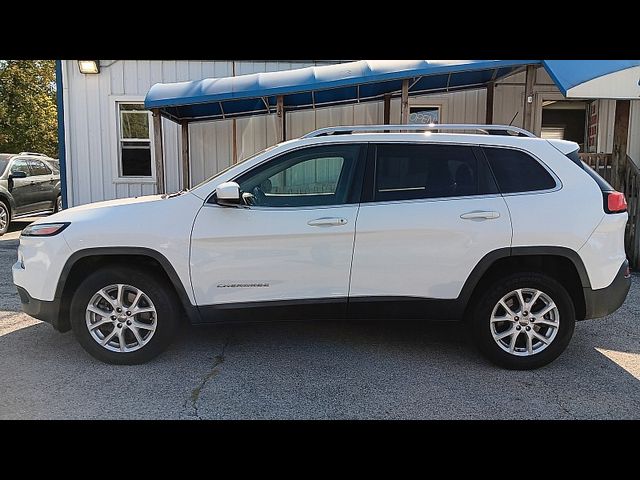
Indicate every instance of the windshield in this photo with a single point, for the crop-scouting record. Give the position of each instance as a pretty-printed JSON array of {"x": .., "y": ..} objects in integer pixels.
[
  {"x": 4, "y": 161},
  {"x": 231, "y": 166}
]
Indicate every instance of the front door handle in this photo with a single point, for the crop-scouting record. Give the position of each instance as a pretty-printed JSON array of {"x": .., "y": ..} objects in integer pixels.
[
  {"x": 327, "y": 222},
  {"x": 480, "y": 215}
]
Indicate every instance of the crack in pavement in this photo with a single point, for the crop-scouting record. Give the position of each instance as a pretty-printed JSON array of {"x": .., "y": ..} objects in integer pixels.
[{"x": 213, "y": 371}]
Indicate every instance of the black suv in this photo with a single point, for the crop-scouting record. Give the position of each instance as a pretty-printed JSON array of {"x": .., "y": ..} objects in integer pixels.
[{"x": 29, "y": 185}]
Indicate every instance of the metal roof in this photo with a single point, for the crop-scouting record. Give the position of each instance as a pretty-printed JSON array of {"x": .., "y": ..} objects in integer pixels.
[{"x": 366, "y": 80}]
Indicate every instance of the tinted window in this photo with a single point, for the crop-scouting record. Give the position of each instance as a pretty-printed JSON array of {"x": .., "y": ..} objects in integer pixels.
[
  {"x": 39, "y": 168},
  {"x": 307, "y": 177},
  {"x": 516, "y": 171},
  {"x": 21, "y": 166},
  {"x": 428, "y": 171}
]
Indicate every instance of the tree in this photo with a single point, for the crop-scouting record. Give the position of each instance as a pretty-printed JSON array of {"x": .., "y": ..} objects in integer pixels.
[{"x": 28, "y": 109}]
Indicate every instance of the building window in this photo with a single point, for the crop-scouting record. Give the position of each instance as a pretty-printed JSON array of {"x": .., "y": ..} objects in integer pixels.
[{"x": 134, "y": 140}]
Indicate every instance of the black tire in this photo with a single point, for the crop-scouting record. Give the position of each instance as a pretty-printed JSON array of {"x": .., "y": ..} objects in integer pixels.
[
  {"x": 4, "y": 209},
  {"x": 481, "y": 326},
  {"x": 58, "y": 204},
  {"x": 160, "y": 294}
]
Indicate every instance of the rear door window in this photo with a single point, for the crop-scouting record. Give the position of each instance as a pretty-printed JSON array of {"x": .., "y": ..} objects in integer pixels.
[
  {"x": 516, "y": 171},
  {"x": 414, "y": 171},
  {"x": 38, "y": 167}
]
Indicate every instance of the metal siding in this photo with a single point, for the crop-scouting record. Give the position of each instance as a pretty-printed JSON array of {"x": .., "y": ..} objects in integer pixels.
[
  {"x": 94, "y": 143},
  {"x": 108, "y": 146},
  {"x": 130, "y": 77}
]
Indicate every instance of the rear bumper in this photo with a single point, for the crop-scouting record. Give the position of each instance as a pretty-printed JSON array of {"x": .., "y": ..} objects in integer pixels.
[
  {"x": 604, "y": 301},
  {"x": 42, "y": 310}
]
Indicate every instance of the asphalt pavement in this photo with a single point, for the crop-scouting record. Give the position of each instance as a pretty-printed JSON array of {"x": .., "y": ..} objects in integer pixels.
[{"x": 314, "y": 370}]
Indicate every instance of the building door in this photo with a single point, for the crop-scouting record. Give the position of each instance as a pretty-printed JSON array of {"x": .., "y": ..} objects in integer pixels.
[{"x": 564, "y": 120}]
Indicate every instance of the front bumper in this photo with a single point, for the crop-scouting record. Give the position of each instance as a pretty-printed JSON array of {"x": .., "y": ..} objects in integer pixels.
[
  {"x": 42, "y": 310},
  {"x": 602, "y": 302}
]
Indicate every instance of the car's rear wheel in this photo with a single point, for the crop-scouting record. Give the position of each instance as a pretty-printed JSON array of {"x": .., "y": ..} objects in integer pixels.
[
  {"x": 58, "y": 205},
  {"x": 5, "y": 218},
  {"x": 123, "y": 316},
  {"x": 523, "y": 321}
]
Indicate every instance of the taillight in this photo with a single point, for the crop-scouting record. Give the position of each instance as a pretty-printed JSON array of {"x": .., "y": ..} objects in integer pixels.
[{"x": 615, "y": 202}]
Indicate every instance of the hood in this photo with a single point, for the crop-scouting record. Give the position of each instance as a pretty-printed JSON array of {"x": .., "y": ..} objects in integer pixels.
[{"x": 91, "y": 210}]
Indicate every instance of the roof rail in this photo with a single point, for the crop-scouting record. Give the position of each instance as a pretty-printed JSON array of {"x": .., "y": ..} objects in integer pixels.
[
  {"x": 33, "y": 154},
  {"x": 344, "y": 130}
]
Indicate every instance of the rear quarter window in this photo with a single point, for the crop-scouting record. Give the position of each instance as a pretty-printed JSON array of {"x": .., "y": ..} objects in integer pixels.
[{"x": 516, "y": 171}]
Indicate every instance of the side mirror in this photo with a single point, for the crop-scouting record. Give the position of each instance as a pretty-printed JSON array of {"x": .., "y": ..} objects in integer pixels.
[
  {"x": 228, "y": 194},
  {"x": 18, "y": 174}
]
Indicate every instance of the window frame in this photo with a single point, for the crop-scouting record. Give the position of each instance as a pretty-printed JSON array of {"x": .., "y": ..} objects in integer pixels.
[
  {"x": 354, "y": 189},
  {"x": 556, "y": 179},
  {"x": 369, "y": 185},
  {"x": 116, "y": 140}
]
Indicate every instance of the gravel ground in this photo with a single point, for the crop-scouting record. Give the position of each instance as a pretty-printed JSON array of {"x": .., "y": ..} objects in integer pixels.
[{"x": 333, "y": 370}]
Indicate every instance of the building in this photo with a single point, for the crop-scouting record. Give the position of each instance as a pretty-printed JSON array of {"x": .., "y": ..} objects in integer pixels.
[{"x": 108, "y": 136}]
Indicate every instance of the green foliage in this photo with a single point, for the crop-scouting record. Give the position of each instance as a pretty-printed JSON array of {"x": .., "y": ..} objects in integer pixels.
[{"x": 28, "y": 107}]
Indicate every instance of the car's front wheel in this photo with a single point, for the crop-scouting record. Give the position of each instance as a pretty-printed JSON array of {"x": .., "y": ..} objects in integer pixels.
[
  {"x": 523, "y": 321},
  {"x": 58, "y": 206},
  {"x": 122, "y": 315}
]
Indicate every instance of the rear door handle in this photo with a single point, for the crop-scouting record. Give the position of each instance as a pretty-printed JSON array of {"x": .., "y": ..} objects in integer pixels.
[
  {"x": 479, "y": 215},
  {"x": 327, "y": 222}
]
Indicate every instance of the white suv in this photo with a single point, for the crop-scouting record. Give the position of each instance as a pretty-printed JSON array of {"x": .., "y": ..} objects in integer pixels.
[{"x": 510, "y": 233}]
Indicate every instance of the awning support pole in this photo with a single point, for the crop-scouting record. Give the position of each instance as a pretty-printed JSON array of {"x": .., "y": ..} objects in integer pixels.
[
  {"x": 490, "y": 91},
  {"x": 527, "y": 111},
  {"x": 620, "y": 136},
  {"x": 157, "y": 140},
  {"x": 387, "y": 109},
  {"x": 404, "y": 107},
  {"x": 281, "y": 127},
  {"x": 186, "y": 165}
]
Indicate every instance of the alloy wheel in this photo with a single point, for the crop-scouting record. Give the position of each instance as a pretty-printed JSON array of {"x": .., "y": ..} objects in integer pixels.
[
  {"x": 121, "y": 318},
  {"x": 524, "y": 322}
]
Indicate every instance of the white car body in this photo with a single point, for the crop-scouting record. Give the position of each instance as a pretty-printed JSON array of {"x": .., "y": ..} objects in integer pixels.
[{"x": 223, "y": 257}]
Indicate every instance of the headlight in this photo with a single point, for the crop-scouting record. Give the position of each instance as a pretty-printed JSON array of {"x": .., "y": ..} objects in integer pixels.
[{"x": 44, "y": 229}]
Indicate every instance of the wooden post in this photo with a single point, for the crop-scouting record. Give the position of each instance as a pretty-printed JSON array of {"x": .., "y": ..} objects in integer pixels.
[
  {"x": 280, "y": 118},
  {"x": 620, "y": 135},
  {"x": 490, "y": 91},
  {"x": 234, "y": 126},
  {"x": 527, "y": 111},
  {"x": 157, "y": 140},
  {"x": 404, "y": 106},
  {"x": 387, "y": 109},
  {"x": 186, "y": 165},
  {"x": 234, "y": 139}
]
